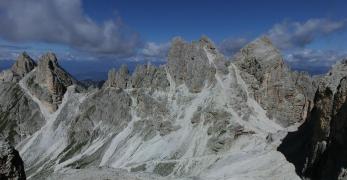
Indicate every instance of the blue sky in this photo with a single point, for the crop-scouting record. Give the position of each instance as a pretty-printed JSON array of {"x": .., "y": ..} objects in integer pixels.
[
  {"x": 159, "y": 20},
  {"x": 311, "y": 34}
]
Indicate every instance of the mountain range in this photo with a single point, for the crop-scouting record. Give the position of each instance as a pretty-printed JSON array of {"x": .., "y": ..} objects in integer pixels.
[{"x": 199, "y": 116}]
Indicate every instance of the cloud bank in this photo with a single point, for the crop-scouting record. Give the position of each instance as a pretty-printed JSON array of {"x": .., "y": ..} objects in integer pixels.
[
  {"x": 287, "y": 35},
  {"x": 64, "y": 22}
]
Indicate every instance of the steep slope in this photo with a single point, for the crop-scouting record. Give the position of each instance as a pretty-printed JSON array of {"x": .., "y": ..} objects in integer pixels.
[
  {"x": 20, "y": 116},
  {"x": 193, "y": 118},
  {"x": 317, "y": 149},
  {"x": 286, "y": 96}
]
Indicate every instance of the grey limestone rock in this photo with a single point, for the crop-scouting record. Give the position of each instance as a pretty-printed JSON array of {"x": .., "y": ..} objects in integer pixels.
[
  {"x": 317, "y": 149},
  {"x": 50, "y": 81},
  {"x": 119, "y": 79},
  {"x": 189, "y": 64},
  {"x": 285, "y": 96},
  {"x": 11, "y": 164},
  {"x": 20, "y": 116},
  {"x": 23, "y": 65}
]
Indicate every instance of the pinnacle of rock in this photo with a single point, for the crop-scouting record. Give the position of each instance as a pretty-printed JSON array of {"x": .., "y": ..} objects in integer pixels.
[
  {"x": 23, "y": 65},
  {"x": 118, "y": 78},
  {"x": 52, "y": 79}
]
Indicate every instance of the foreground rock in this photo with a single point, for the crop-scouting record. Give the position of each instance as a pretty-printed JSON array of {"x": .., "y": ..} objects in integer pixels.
[
  {"x": 11, "y": 164},
  {"x": 318, "y": 148}
]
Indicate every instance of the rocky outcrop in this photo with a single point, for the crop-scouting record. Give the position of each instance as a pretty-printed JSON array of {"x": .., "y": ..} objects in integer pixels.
[
  {"x": 317, "y": 149},
  {"x": 118, "y": 79},
  {"x": 144, "y": 76},
  {"x": 333, "y": 77},
  {"x": 23, "y": 65},
  {"x": 11, "y": 164},
  {"x": 286, "y": 96},
  {"x": 189, "y": 64},
  {"x": 20, "y": 116},
  {"x": 50, "y": 81}
]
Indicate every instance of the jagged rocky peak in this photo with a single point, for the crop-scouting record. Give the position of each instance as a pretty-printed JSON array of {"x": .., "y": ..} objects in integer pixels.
[
  {"x": 50, "y": 81},
  {"x": 23, "y": 65},
  {"x": 150, "y": 76},
  {"x": 11, "y": 164},
  {"x": 192, "y": 63},
  {"x": 118, "y": 78},
  {"x": 318, "y": 148},
  {"x": 262, "y": 53},
  {"x": 332, "y": 78},
  {"x": 144, "y": 76},
  {"x": 278, "y": 90}
]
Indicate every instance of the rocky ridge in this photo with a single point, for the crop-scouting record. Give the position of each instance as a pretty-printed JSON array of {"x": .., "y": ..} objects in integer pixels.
[{"x": 197, "y": 117}]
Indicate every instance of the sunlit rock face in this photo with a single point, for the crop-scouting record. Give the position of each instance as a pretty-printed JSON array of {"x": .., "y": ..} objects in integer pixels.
[
  {"x": 49, "y": 81},
  {"x": 23, "y": 65},
  {"x": 285, "y": 95},
  {"x": 196, "y": 117}
]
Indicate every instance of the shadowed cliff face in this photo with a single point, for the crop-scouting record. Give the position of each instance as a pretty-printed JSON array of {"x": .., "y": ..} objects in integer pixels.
[
  {"x": 318, "y": 148},
  {"x": 11, "y": 164}
]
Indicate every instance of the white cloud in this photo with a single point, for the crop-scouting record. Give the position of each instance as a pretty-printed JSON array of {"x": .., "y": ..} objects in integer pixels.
[
  {"x": 64, "y": 22},
  {"x": 156, "y": 50},
  {"x": 287, "y": 35},
  {"x": 314, "y": 61},
  {"x": 231, "y": 45}
]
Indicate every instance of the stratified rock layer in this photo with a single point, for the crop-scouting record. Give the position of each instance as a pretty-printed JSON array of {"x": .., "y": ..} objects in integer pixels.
[
  {"x": 318, "y": 148},
  {"x": 284, "y": 95},
  {"x": 50, "y": 81}
]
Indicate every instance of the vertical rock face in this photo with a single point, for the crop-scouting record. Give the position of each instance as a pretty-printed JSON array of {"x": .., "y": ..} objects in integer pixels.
[
  {"x": 318, "y": 148},
  {"x": 285, "y": 96},
  {"x": 11, "y": 164},
  {"x": 149, "y": 76},
  {"x": 23, "y": 65},
  {"x": 144, "y": 76},
  {"x": 50, "y": 81},
  {"x": 189, "y": 64}
]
